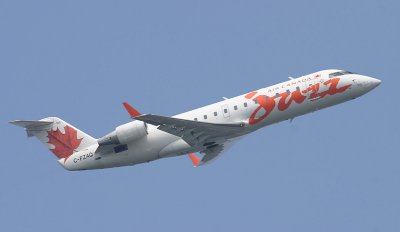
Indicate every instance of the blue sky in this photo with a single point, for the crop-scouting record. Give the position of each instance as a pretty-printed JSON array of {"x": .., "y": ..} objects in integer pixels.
[{"x": 333, "y": 170}]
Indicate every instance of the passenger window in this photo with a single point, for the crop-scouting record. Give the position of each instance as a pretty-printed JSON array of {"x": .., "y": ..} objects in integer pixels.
[
  {"x": 235, "y": 107},
  {"x": 288, "y": 91},
  {"x": 195, "y": 119},
  {"x": 205, "y": 116},
  {"x": 215, "y": 114},
  {"x": 298, "y": 88},
  {"x": 277, "y": 95},
  {"x": 225, "y": 111},
  {"x": 255, "y": 101},
  {"x": 245, "y": 104}
]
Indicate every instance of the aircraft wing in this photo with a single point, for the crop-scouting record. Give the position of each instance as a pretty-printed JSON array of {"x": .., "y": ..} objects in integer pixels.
[
  {"x": 215, "y": 138},
  {"x": 193, "y": 132}
]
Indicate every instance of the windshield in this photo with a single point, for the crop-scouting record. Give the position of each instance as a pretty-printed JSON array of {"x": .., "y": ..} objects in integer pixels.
[{"x": 341, "y": 73}]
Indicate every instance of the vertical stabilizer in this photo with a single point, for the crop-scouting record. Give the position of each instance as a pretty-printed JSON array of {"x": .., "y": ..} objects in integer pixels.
[{"x": 61, "y": 138}]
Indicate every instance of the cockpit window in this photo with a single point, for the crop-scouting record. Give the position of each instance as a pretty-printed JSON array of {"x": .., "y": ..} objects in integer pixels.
[
  {"x": 347, "y": 72},
  {"x": 341, "y": 73}
]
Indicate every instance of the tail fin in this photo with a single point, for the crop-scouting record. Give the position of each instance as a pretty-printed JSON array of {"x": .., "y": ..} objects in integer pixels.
[{"x": 58, "y": 136}]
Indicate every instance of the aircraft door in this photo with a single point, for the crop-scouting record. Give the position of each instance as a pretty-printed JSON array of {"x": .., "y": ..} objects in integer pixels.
[
  {"x": 225, "y": 111},
  {"x": 312, "y": 94},
  {"x": 311, "y": 90},
  {"x": 314, "y": 88},
  {"x": 321, "y": 87}
]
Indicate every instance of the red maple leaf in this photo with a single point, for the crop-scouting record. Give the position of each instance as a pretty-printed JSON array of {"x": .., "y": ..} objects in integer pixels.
[{"x": 64, "y": 144}]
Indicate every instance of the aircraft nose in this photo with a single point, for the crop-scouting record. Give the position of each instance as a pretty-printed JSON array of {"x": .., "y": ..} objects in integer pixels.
[
  {"x": 368, "y": 83},
  {"x": 374, "y": 82}
]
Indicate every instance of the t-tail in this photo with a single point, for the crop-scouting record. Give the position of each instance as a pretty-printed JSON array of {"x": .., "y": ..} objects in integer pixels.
[{"x": 61, "y": 138}]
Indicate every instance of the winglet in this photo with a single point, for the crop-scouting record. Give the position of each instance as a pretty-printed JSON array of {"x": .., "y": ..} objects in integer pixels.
[
  {"x": 195, "y": 159},
  {"x": 132, "y": 111}
]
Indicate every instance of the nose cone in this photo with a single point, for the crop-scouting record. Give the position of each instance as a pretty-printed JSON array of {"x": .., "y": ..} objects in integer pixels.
[
  {"x": 371, "y": 83},
  {"x": 368, "y": 83},
  {"x": 365, "y": 83},
  {"x": 374, "y": 82}
]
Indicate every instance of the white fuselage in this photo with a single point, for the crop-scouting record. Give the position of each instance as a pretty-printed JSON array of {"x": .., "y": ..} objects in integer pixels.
[{"x": 256, "y": 109}]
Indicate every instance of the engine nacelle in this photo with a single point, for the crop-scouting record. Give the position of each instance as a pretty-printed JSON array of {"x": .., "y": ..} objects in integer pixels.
[{"x": 125, "y": 133}]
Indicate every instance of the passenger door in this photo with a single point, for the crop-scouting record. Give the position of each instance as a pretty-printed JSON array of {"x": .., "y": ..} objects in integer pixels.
[{"x": 322, "y": 87}]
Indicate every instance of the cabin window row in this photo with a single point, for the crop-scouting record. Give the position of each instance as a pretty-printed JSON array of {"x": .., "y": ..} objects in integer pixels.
[
  {"x": 245, "y": 104},
  {"x": 225, "y": 111}
]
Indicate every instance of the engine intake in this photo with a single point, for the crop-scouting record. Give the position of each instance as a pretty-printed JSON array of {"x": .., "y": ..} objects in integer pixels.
[{"x": 125, "y": 134}]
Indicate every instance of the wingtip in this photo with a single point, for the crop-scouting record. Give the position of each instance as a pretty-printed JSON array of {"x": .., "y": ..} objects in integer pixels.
[
  {"x": 131, "y": 111},
  {"x": 195, "y": 160},
  {"x": 14, "y": 122}
]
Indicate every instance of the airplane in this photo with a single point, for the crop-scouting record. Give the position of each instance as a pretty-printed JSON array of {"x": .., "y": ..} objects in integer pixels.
[{"x": 208, "y": 131}]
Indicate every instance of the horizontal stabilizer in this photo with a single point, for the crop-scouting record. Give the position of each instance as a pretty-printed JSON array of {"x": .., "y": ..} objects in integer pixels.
[{"x": 30, "y": 124}]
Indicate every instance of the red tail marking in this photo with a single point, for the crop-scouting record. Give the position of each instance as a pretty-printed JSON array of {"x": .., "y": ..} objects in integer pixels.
[
  {"x": 64, "y": 144},
  {"x": 131, "y": 111}
]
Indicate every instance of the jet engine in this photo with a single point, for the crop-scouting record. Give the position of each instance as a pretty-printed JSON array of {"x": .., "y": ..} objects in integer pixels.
[{"x": 125, "y": 134}]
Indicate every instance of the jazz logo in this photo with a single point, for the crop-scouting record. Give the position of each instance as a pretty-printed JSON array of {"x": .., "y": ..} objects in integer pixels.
[{"x": 268, "y": 104}]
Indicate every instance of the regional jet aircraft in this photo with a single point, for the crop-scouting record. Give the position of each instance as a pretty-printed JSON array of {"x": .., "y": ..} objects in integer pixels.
[{"x": 207, "y": 131}]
